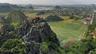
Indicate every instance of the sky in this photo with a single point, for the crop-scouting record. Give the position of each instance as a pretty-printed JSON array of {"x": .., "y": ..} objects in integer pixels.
[{"x": 49, "y": 2}]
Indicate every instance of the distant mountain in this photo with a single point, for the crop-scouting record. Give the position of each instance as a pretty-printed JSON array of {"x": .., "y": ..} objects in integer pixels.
[{"x": 4, "y": 7}]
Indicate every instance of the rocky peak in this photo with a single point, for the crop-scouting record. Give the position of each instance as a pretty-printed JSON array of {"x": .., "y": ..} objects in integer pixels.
[{"x": 38, "y": 33}]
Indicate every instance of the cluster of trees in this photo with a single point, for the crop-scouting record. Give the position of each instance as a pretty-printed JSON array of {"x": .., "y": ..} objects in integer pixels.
[{"x": 52, "y": 18}]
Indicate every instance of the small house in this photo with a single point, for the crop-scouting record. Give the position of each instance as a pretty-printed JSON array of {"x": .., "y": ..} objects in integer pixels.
[{"x": 88, "y": 20}]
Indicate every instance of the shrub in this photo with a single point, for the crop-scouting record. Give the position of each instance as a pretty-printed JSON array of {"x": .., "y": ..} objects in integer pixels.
[{"x": 14, "y": 46}]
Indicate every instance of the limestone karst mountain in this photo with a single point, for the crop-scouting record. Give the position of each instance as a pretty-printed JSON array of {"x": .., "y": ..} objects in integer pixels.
[
  {"x": 52, "y": 18},
  {"x": 40, "y": 32},
  {"x": 5, "y": 7},
  {"x": 35, "y": 37}
]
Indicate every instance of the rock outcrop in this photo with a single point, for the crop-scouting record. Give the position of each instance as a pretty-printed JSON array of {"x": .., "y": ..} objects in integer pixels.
[{"x": 40, "y": 32}]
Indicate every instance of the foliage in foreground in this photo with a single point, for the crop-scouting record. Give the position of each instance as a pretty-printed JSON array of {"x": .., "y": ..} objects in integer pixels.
[{"x": 15, "y": 46}]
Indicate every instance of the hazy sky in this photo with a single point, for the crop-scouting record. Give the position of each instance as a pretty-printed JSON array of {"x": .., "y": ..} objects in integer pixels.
[{"x": 49, "y": 2}]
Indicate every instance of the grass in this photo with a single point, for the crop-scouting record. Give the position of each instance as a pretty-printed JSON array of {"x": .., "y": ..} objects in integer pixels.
[{"x": 68, "y": 29}]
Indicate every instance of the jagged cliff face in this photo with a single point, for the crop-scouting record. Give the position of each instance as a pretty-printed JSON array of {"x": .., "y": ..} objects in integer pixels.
[
  {"x": 36, "y": 36},
  {"x": 40, "y": 32}
]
